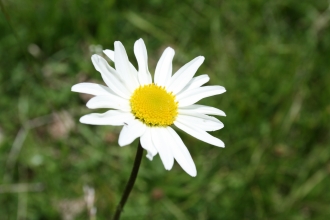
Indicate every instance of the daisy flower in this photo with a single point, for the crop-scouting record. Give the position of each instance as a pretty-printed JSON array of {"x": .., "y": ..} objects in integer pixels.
[{"x": 147, "y": 108}]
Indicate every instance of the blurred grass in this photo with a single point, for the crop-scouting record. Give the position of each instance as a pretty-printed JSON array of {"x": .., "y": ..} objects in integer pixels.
[{"x": 272, "y": 57}]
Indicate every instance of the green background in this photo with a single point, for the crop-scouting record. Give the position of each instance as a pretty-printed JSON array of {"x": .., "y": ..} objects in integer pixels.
[{"x": 271, "y": 56}]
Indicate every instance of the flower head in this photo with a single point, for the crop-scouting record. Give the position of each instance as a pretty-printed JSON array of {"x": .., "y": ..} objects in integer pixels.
[{"x": 148, "y": 108}]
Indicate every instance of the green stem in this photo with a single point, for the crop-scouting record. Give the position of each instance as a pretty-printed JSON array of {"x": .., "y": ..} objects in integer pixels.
[{"x": 130, "y": 182}]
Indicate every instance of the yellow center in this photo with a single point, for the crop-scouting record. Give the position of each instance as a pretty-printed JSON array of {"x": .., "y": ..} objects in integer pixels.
[{"x": 154, "y": 106}]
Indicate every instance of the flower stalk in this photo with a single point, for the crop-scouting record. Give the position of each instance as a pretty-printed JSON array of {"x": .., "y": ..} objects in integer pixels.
[{"x": 130, "y": 182}]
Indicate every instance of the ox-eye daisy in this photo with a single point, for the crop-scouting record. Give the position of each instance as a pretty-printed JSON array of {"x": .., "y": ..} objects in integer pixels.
[{"x": 148, "y": 108}]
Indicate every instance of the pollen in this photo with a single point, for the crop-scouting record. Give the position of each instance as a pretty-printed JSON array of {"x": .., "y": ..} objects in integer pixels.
[{"x": 154, "y": 106}]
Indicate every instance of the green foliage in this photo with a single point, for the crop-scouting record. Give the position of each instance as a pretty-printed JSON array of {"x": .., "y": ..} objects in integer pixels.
[{"x": 271, "y": 56}]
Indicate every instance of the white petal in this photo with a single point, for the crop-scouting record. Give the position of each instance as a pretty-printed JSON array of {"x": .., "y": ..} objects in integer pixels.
[
  {"x": 196, "y": 82},
  {"x": 132, "y": 130},
  {"x": 204, "y": 122},
  {"x": 199, "y": 134},
  {"x": 109, "y": 101},
  {"x": 183, "y": 76},
  {"x": 111, "y": 117},
  {"x": 91, "y": 88},
  {"x": 103, "y": 66},
  {"x": 133, "y": 70},
  {"x": 161, "y": 145},
  {"x": 109, "y": 76},
  {"x": 163, "y": 71},
  {"x": 147, "y": 144},
  {"x": 201, "y": 109},
  {"x": 140, "y": 52},
  {"x": 110, "y": 54},
  {"x": 181, "y": 153},
  {"x": 192, "y": 96},
  {"x": 123, "y": 67}
]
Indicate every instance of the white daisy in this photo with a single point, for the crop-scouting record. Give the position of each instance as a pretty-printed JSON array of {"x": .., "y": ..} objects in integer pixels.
[{"x": 148, "y": 108}]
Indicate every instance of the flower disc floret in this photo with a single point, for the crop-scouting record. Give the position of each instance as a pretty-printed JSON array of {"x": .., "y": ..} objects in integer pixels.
[{"x": 154, "y": 106}]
